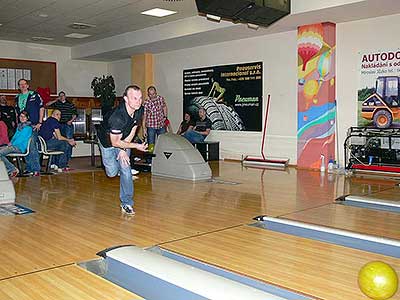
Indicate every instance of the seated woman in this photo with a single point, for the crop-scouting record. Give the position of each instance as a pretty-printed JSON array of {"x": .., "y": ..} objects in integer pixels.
[
  {"x": 201, "y": 130},
  {"x": 187, "y": 124},
  {"x": 18, "y": 144}
]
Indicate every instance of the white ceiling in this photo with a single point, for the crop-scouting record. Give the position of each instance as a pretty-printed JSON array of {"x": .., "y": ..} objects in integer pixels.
[
  {"x": 21, "y": 18},
  {"x": 196, "y": 31},
  {"x": 122, "y": 31}
]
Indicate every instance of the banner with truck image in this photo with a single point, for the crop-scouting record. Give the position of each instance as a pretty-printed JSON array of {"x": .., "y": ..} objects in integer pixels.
[
  {"x": 378, "y": 92},
  {"x": 230, "y": 94}
]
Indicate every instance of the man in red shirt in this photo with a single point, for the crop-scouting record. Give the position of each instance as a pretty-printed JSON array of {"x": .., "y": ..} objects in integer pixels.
[
  {"x": 8, "y": 115},
  {"x": 3, "y": 134},
  {"x": 155, "y": 114}
]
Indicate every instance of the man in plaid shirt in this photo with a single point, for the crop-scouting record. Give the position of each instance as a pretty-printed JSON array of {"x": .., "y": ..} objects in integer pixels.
[{"x": 155, "y": 114}]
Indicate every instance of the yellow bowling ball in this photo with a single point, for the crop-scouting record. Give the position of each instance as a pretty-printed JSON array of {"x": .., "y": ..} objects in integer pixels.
[
  {"x": 378, "y": 280},
  {"x": 150, "y": 148}
]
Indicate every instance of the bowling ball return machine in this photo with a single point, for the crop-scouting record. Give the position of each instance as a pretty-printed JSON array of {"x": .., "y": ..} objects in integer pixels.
[
  {"x": 176, "y": 157},
  {"x": 7, "y": 192}
]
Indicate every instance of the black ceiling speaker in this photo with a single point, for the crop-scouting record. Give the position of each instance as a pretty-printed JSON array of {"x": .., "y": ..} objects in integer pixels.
[{"x": 259, "y": 12}]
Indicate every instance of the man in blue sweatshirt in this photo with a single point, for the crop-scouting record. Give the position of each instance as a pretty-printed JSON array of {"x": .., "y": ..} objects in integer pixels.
[{"x": 31, "y": 102}]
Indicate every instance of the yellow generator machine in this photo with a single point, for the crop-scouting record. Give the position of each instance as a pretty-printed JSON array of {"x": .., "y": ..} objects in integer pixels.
[{"x": 383, "y": 106}]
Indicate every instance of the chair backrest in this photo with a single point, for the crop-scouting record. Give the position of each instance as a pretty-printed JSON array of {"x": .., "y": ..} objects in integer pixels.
[
  {"x": 43, "y": 148},
  {"x": 14, "y": 154},
  {"x": 28, "y": 146},
  {"x": 43, "y": 145}
]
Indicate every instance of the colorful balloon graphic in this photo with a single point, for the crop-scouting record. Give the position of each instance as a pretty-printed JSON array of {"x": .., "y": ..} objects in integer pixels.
[
  {"x": 310, "y": 89},
  {"x": 309, "y": 42},
  {"x": 324, "y": 65}
]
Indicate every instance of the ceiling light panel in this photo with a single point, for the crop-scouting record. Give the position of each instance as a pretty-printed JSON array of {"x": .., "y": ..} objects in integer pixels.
[
  {"x": 81, "y": 26},
  {"x": 41, "y": 38},
  {"x": 77, "y": 35},
  {"x": 158, "y": 12}
]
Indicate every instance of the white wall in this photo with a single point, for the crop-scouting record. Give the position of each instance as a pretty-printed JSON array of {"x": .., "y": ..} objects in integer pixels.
[
  {"x": 121, "y": 71},
  {"x": 73, "y": 76},
  {"x": 354, "y": 37},
  {"x": 278, "y": 54}
]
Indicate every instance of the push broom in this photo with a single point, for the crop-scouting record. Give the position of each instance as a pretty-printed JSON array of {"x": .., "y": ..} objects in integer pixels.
[{"x": 263, "y": 161}]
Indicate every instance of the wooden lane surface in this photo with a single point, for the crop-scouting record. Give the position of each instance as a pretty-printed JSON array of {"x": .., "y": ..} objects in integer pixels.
[
  {"x": 78, "y": 214},
  {"x": 392, "y": 194},
  {"x": 356, "y": 219},
  {"x": 282, "y": 192},
  {"x": 368, "y": 185},
  {"x": 63, "y": 283},
  {"x": 314, "y": 268},
  {"x": 279, "y": 192}
]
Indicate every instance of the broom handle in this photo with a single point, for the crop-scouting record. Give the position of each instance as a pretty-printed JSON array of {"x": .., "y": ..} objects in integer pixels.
[
  {"x": 337, "y": 136},
  {"x": 265, "y": 127}
]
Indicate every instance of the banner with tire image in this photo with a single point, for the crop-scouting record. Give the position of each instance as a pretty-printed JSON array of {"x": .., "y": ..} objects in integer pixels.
[
  {"x": 379, "y": 89},
  {"x": 230, "y": 94}
]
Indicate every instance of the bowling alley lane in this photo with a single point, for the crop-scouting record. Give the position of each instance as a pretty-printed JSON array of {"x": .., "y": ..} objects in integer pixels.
[{"x": 314, "y": 268}]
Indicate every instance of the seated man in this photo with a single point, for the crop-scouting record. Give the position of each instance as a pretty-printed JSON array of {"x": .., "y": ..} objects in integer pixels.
[
  {"x": 50, "y": 132},
  {"x": 201, "y": 130},
  {"x": 68, "y": 114}
]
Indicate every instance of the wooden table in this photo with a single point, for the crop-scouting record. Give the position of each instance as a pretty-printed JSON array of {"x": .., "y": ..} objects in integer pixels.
[{"x": 92, "y": 151}]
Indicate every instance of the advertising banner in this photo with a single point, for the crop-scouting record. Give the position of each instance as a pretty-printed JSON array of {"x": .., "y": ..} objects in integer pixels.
[
  {"x": 230, "y": 94},
  {"x": 378, "y": 89}
]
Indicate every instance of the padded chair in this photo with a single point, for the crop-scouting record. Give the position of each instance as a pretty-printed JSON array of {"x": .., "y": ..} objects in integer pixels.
[
  {"x": 19, "y": 158},
  {"x": 49, "y": 153}
]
